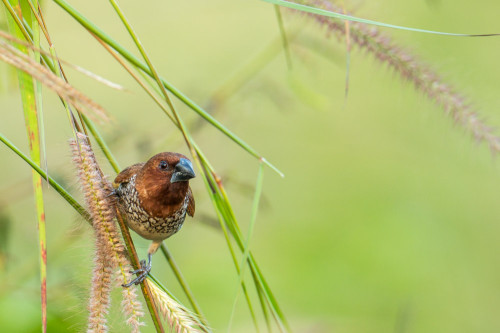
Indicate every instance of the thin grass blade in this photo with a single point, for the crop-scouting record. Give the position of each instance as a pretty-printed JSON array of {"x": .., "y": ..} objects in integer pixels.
[
  {"x": 102, "y": 144},
  {"x": 284, "y": 39},
  {"x": 182, "y": 281},
  {"x": 318, "y": 11},
  {"x": 253, "y": 218}
]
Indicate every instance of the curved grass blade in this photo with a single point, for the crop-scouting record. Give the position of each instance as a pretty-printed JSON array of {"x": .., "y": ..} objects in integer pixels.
[
  {"x": 55, "y": 185},
  {"x": 318, "y": 11}
]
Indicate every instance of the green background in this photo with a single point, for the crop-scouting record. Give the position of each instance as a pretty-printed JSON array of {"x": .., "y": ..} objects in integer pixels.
[{"x": 386, "y": 220}]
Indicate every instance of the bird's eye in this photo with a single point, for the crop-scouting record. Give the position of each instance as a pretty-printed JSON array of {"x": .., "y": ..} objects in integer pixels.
[{"x": 163, "y": 165}]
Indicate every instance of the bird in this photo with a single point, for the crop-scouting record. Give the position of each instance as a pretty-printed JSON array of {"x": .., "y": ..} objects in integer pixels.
[{"x": 155, "y": 197}]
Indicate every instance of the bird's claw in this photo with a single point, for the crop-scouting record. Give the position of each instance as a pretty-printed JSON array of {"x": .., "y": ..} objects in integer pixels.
[
  {"x": 142, "y": 272},
  {"x": 142, "y": 269}
]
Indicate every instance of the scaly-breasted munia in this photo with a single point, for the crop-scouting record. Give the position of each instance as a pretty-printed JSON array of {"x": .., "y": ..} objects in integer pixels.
[{"x": 155, "y": 197}]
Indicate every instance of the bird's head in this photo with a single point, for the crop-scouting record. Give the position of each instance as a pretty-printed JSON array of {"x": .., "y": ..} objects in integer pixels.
[{"x": 165, "y": 174}]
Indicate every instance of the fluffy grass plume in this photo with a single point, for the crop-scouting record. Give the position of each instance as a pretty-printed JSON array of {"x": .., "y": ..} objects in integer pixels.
[
  {"x": 424, "y": 79},
  {"x": 110, "y": 251},
  {"x": 100, "y": 291}
]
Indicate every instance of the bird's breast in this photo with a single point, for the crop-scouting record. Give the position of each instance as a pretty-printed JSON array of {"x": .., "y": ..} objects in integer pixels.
[{"x": 143, "y": 222}]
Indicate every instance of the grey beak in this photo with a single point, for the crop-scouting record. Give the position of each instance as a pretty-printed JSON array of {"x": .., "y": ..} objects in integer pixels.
[{"x": 183, "y": 171}]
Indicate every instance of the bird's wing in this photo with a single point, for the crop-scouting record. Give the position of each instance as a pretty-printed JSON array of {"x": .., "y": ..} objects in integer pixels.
[
  {"x": 126, "y": 174},
  {"x": 190, "y": 207}
]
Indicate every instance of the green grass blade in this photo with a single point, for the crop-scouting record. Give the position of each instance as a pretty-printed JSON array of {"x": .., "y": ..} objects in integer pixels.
[
  {"x": 253, "y": 218},
  {"x": 227, "y": 218},
  {"x": 136, "y": 62},
  {"x": 17, "y": 20},
  {"x": 29, "y": 95},
  {"x": 223, "y": 218},
  {"x": 102, "y": 144},
  {"x": 260, "y": 281},
  {"x": 56, "y": 69},
  {"x": 284, "y": 40},
  {"x": 277, "y": 312},
  {"x": 180, "y": 278},
  {"x": 38, "y": 85},
  {"x": 55, "y": 185},
  {"x": 323, "y": 12},
  {"x": 38, "y": 148}
]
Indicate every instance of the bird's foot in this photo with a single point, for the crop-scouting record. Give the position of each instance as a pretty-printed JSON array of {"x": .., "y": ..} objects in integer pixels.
[{"x": 142, "y": 272}]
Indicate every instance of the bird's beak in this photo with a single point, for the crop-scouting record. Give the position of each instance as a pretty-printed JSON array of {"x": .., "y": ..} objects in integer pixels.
[{"x": 183, "y": 171}]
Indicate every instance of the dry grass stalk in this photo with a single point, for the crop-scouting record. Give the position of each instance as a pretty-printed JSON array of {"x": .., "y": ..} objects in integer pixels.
[
  {"x": 369, "y": 38},
  {"x": 180, "y": 319},
  {"x": 14, "y": 57},
  {"x": 57, "y": 59},
  {"x": 110, "y": 249}
]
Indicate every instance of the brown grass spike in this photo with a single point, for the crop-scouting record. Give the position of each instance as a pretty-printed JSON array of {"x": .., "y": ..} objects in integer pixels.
[
  {"x": 424, "y": 79},
  {"x": 110, "y": 251}
]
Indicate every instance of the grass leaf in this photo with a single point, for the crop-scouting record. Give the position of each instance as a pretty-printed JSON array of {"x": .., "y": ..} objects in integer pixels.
[
  {"x": 30, "y": 93},
  {"x": 318, "y": 11}
]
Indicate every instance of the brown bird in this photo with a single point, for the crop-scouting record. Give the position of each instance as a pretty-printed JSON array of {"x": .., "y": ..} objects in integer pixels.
[{"x": 155, "y": 197}]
